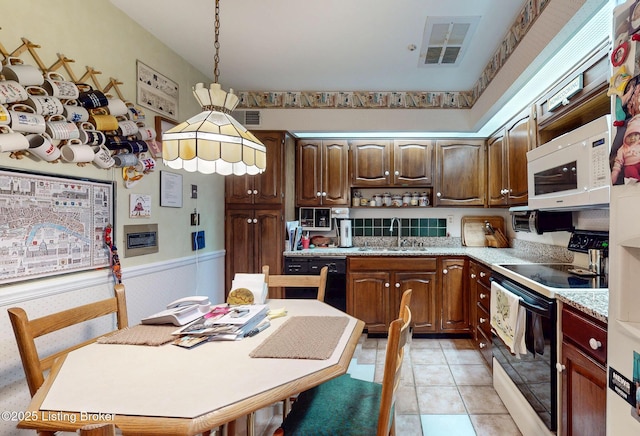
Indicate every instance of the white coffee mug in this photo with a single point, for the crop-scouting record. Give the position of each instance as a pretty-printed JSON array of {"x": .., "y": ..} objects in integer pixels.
[
  {"x": 145, "y": 163},
  {"x": 42, "y": 103},
  {"x": 57, "y": 86},
  {"x": 75, "y": 151},
  {"x": 12, "y": 141},
  {"x": 5, "y": 118},
  {"x": 102, "y": 156},
  {"x": 15, "y": 69},
  {"x": 11, "y": 92},
  {"x": 75, "y": 114},
  {"x": 59, "y": 128},
  {"x": 24, "y": 119},
  {"x": 127, "y": 128},
  {"x": 116, "y": 106},
  {"x": 41, "y": 146},
  {"x": 146, "y": 133}
]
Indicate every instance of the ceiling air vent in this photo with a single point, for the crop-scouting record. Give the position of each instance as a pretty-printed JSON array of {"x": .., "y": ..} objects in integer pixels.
[
  {"x": 445, "y": 40},
  {"x": 247, "y": 118}
]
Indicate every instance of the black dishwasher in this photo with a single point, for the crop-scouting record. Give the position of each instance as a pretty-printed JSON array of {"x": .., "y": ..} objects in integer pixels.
[{"x": 336, "y": 290}]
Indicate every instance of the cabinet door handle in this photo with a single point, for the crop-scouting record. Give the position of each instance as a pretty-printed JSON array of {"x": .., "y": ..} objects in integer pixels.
[
  {"x": 324, "y": 194},
  {"x": 255, "y": 220},
  {"x": 255, "y": 191},
  {"x": 483, "y": 274},
  {"x": 386, "y": 173},
  {"x": 482, "y": 296},
  {"x": 386, "y": 285},
  {"x": 397, "y": 285},
  {"x": 473, "y": 276},
  {"x": 249, "y": 220},
  {"x": 482, "y": 320},
  {"x": 594, "y": 343},
  {"x": 445, "y": 271},
  {"x": 560, "y": 367},
  {"x": 438, "y": 195},
  {"x": 318, "y": 194},
  {"x": 482, "y": 345},
  {"x": 397, "y": 173}
]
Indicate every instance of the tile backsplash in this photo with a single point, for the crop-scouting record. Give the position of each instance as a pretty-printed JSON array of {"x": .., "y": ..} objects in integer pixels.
[{"x": 416, "y": 227}]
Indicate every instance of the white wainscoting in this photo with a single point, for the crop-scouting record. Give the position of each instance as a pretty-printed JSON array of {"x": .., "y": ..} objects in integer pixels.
[{"x": 148, "y": 288}]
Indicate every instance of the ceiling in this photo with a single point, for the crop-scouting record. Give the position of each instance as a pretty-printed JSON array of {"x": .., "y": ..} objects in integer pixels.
[{"x": 333, "y": 45}]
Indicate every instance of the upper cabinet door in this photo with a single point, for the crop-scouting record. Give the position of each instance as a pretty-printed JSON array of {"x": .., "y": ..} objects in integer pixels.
[
  {"x": 335, "y": 173},
  {"x": 309, "y": 173},
  {"x": 265, "y": 188},
  {"x": 519, "y": 142},
  {"x": 370, "y": 163},
  {"x": 413, "y": 163},
  {"x": 460, "y": 171},
  {"x": 496, "y": 170}
]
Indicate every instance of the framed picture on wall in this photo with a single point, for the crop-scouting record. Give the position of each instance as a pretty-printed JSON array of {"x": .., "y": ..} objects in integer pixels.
[
  {"x": 156, "y": 91},
  {"x": 170, "y": 189},
  {"x": 162, "y": 124}
]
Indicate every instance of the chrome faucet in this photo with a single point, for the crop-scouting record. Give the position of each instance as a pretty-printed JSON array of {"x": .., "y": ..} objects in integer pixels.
[{"x": 396, "y": 219}]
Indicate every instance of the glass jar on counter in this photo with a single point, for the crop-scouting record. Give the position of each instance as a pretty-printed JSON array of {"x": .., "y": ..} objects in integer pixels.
[
  {"x": 355, "y": 200},
  {"x": 424, "y": 199},
  {"x": 396, "y": 200},
  {"x": 415, "y": 198},
  {"x": 406, "y": 199},
  {"x": 377, "y": 198},
  {"x": 386, "y": 199}
]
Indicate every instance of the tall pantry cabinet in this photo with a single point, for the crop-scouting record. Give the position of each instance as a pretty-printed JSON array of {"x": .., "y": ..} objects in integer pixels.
[{"x": 256, "y": 208}]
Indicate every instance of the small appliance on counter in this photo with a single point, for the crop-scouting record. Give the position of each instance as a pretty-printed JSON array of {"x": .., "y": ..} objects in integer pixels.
[
  {"x": 524, "y": 219},
  {"x": 345, "y": 233}
]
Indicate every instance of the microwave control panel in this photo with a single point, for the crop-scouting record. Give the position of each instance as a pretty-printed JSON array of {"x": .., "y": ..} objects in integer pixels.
[{"x": 600, "y": 175}]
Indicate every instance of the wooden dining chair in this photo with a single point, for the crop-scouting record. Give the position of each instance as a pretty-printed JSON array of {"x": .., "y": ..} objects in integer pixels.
[
  {"x": 298, "y": 281},
  {"x": 348, "y": 406},
  {"x": 27, "y": 330}
]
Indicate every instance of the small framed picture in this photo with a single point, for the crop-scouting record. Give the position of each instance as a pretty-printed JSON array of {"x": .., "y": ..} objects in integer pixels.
[
  {"x": 139, "y": 206},
  {"x": 162, "y": 124},
  {"x": 170, "y": 189}
]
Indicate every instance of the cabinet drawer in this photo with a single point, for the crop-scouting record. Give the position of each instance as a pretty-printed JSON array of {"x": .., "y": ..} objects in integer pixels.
[
  {"x": 484, "y": 274},
  {"x": 484, "y": 345},
  {"x": 483, "y": 298},
  {"x": 367, "y": 263},
  {"x": 588, "y": 334},
  {"x": 482, "y": 321}
]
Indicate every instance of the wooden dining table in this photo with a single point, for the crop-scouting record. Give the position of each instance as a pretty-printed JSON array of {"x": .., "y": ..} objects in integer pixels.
[{"x": 169, "y": 390}]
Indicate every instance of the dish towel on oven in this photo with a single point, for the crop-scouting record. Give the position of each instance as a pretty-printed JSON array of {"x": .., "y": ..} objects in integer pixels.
[{"x": 508, "y": 318}]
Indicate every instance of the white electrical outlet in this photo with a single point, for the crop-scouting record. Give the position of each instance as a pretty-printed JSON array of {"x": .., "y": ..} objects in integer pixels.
[{"x": 449, "y": 219}]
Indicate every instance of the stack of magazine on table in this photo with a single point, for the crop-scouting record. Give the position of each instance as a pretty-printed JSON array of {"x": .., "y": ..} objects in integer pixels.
[{"x": 222, "y": 323}]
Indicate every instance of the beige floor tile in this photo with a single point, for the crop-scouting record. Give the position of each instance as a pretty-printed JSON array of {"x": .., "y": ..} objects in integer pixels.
[
  {"x": 458, "y": 344},
  {"x": 427, "y": 356},
  {"x": 440, "y": 400},
  {"x": 367, "y": 356},
  {"x": 462, "y": 356},
  {"x": 494, "y": 425},
  {"x": 471, "y": 374},
  {"x": 406, "y": 400},
  {"x": 408, "y": 425},
  {"x": 424, "y": 343},
  {"x": 481, "y": 399},
  {"x": 432, "y": 375}
]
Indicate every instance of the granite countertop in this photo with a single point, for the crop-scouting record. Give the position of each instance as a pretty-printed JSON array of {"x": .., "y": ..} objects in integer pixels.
[{"x": 591, "y": 302}]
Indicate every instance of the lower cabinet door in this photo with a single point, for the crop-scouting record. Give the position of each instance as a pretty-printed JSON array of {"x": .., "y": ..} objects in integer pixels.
[
  {"x": 584, "y": 394},
  {"x": 423, "y": 299},
  {"x": 368, "y": 299}
]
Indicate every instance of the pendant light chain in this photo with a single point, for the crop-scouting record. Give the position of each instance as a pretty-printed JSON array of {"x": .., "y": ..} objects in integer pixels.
[{"x": 216, "y": 58}]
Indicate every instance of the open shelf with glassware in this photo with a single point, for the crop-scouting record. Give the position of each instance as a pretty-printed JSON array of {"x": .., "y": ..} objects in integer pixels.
[{"x": 391, "y": 197}]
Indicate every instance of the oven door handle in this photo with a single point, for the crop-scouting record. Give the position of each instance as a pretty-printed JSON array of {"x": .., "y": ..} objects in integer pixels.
[{"x": 534, "y": 308}]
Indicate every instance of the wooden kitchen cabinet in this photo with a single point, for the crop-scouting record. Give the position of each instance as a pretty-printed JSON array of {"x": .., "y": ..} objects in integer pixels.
[
  {"x": 507, "y": 161},
  {"x": 265, "y": 188},
  {"x": 388, "y": 163},
  {"x": 253, "y": 237},
  {"x": 454, "y": 294},
  {"x": 460, "y": 173},
  {"x": 375, "y": 286},
  {"x": 584, "y": 374},
  {"x": 322, "y": 174},
  {"x": 480, "y": 293}
]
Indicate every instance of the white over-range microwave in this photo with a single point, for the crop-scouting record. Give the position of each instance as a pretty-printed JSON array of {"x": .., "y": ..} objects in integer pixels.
[{"x": 572, "y": 170}]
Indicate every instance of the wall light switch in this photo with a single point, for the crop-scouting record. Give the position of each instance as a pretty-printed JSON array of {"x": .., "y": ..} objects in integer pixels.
[{"x": 449, "y": 219}]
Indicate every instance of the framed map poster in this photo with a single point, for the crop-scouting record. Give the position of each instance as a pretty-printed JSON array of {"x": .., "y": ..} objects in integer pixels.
[{"x": 52, "y": 225}]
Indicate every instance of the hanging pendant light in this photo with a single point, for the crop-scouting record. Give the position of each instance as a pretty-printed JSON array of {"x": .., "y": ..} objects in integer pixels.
[{"x": 213, "y": 141}]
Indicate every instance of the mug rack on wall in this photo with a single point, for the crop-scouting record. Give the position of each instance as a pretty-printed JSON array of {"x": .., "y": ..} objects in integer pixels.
[{"x": 130, "y": 172}]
